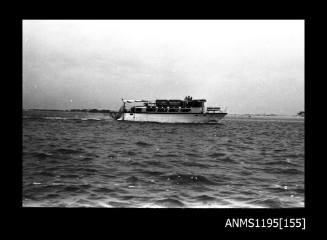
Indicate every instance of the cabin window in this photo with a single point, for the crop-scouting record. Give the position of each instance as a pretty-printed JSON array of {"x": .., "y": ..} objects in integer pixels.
[
  {"x": 162, "y": 103},
  {"x": 138, "y": 109},
  {"x": 175, "y": 103},
  {"x": 173, "y": 110},
  {"x": 196, "y": 104},
  {"x": 188, "y": 104},
  {"x": 150, "y": 109},
  {"x": 162, "y": 109},
  {"x": 185, "y": 110}
]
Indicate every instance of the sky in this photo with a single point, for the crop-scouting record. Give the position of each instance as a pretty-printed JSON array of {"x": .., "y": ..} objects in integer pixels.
[{"x": 246, "y": 66}]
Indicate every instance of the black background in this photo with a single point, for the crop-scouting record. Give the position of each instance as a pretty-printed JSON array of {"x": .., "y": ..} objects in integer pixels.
[{"x": 154, "y": 223}]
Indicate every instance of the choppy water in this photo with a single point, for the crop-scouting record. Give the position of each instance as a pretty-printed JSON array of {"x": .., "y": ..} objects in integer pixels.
[{"x": 88, "y": 160}]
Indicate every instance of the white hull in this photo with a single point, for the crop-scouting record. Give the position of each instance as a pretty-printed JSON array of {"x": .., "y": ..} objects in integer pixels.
[{"x": 173, "y": 117}]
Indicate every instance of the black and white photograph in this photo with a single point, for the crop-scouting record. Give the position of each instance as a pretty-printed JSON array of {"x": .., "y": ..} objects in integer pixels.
[{"x": 163, "y": 113}]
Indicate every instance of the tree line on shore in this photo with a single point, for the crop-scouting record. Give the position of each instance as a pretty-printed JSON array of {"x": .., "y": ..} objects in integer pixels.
[{"x": 94, "y": 110}]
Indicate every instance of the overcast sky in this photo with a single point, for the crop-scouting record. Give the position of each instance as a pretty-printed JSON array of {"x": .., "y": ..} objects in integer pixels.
[{"x": 247, "y": 66}]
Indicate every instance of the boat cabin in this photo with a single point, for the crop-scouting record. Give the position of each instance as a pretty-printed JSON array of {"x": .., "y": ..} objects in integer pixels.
[{"x": 170, "y": 106}]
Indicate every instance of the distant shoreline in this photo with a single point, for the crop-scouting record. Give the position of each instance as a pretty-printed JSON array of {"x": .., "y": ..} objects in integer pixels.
[
  {"x": 94, "y": 110},
  {"x": 72, "y": 110},
  {"x": 268, "y": 116}
]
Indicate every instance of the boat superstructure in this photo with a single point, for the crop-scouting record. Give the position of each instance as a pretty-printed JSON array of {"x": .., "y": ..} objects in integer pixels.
[{"x": 169, "y": 111}]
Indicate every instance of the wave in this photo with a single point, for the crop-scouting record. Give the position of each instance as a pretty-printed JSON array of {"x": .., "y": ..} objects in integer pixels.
[
  {"x": 90, "y": 171},
  {"x": 69, "y": 176},
  {"x": 268, "y": 202},
  {"x": 136, "y": 164},
  {"x": 41, "y": 156},
  {"x": 195, "y": 164},
  {"x": 232, "y": 203},
  {"x": 226, "y": 160},
  {"x": 192, "y": 154},
  {"x": 205, "y": 198},
  {"x": 292, "y": 171},
  {"x": 300, "y": 190},
  {"x": 165, "y": 155},
  {"x": 143, "y": 144},
  {"x": 132, "y": 179},
  {"x": 162, "y": 164},
  {"x": 151, "y": 173},
  {"x": 46, "y": 174},
  {"x": 281, "y": 163},
  {"x": 103, "y": 190},
  {"x": 128, "y": 197},
  {"x": 246, "y": 172},
  {"x": 131, "y": 153},
  {"x": 72, "y": 189},
  {"x": 216, "y": 154},
  {"x": 118, "y": 204},
  {"x": 186, "y": 179},
  {"x": 170, "y": 202},
  {"x": 67, "y": 151}
]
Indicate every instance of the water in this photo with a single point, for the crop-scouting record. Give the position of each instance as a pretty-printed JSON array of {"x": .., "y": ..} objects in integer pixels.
[{"x": 73, "y": 159}]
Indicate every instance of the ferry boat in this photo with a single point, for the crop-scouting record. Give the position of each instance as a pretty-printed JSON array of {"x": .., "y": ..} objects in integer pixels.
[{"x": 168, "y": 111}]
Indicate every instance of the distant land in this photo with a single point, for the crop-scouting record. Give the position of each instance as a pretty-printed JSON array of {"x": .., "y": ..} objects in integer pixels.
[{"x": 94, "y": 110}]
